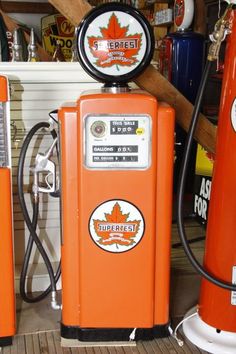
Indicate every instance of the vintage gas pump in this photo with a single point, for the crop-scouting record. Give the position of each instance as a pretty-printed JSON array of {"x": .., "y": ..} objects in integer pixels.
[
  {"x": 212, "y": 325},
  {"x": 7, "y": 296},
  {"x": 181, "y": 62},
  {"x": 181, "y": 52},
  {"x": 116, "y": 188}
]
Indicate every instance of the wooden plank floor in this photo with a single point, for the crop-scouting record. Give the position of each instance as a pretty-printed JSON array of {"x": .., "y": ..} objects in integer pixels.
[
  {"x": 48, "y": 342},
  {"x": 179, "y": 261}
]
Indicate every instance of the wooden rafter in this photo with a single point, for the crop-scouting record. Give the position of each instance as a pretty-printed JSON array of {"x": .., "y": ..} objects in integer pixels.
[{"x": 26, "y": 7}]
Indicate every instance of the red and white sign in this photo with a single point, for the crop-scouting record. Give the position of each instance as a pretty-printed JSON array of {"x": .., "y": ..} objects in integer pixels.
[
  {"x": 116, "y": 226},
  {"x": 115, "y": 43}
]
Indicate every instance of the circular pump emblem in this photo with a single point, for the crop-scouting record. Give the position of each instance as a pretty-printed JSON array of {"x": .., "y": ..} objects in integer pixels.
[
  {"x": 115, "y": 43},
  {"x": 116, "y": 226}
]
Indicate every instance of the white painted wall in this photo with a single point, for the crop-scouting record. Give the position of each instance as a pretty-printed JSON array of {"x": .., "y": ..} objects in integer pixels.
[{"x": 37, "y": 89}]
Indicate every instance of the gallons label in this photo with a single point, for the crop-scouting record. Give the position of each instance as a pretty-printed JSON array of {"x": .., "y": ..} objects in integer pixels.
[{"x": 116, "y": 226}]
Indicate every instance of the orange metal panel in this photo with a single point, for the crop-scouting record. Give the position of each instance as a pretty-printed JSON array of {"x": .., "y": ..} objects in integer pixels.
[
  {"x": 165, "y": 163},
  {"x": 69, "y": 202},
  {"x": 114, "y": 286},
  {"x": 7, "y": 297},
  {"x": 103, "y": 289},
  {"x": 215, "y": 306},
  {"x": 3, "y": 89}
]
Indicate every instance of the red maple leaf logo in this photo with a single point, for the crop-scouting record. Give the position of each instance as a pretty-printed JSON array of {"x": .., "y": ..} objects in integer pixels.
[
  {"x": 115, "y": 47},
  {"x": 115, "y": 229}
]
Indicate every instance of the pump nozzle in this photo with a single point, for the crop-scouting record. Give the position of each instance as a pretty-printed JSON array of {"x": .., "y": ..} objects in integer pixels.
[
  {"x": 54, "y": 303},
  {"x": 221, "y": 29}
]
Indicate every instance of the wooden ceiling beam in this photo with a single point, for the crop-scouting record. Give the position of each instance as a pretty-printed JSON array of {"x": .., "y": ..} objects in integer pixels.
[
  {"x": 73, "y": 10},
  {"x": 26, "y": 7}
]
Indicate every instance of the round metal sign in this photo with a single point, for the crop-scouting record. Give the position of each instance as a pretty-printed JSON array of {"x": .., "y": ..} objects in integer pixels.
[
  {"x": 115, "y": 43},
  {"x": 116, "y": 226}
]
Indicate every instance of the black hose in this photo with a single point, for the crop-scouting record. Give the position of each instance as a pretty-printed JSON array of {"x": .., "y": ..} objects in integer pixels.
[
  {"x": 181, "y": 186},
  {"x": 32, "y": 225}
]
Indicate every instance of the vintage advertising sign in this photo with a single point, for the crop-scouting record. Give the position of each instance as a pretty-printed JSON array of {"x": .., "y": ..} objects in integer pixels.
[
  {"x": 118, "y": 43},
  {"x": 115, "y": 46},
  {"x": 115, "y": 43},
  {"x": 202, "y": 184},
  {"x": 116, "y": 226},
  {"x": 57, "y": 28}
]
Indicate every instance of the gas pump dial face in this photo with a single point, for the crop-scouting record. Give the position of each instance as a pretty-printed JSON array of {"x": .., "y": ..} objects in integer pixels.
[{"x": 115, "y": 43}]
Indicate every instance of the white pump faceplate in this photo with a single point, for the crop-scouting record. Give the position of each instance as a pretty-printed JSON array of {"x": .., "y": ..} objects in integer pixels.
[{"x": 117, "y": 141}]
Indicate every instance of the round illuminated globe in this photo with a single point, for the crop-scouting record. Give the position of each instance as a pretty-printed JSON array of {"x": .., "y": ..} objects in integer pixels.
[
  {"x": 183, "y": 13},
  {"x": 115, "y": 43}
]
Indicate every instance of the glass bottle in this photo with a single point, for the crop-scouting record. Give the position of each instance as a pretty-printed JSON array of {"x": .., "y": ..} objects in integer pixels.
[
  {"x": 16, "y": 47},
  {"x": 32, "y": 48}
]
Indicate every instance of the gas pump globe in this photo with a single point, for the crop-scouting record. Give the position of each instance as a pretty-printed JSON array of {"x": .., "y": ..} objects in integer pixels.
[
  {"x": 117, "y": 149},
  {"x": 115, "y": 43}
]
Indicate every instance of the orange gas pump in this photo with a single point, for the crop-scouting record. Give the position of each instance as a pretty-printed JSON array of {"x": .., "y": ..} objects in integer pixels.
[
  {"x": 212, "y": 325},
  {"x": 116, "y": 189},
  {"x": 7, "y": 297}
]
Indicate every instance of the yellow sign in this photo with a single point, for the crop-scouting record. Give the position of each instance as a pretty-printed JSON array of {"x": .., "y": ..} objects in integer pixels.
[
  {"x": 57, "y": 28},
  {"x": 204, "y": 162}
]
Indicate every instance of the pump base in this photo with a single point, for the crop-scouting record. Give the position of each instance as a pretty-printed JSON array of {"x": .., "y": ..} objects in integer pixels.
[
  {"x": 113, "y": 334},
  {"x": 206, "y": 337},
  {"x": 5, "y": 341}
]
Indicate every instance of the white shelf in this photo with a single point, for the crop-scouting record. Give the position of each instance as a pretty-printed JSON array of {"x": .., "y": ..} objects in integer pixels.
[{"x": 45, "y": 72}]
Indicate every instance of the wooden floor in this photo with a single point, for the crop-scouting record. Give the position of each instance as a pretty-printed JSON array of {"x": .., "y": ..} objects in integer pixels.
[
  {"x": 49, "y": 342},
  {"x": 179, "y": 261}
]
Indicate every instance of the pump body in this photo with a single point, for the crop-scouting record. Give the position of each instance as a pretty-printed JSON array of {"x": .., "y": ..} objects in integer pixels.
[
  {"x": 181, "y": 62},
  {"x": 217, "y": 307},
  {"x": 212, "y": 327},
  {"x": 7, "y": 297},
  {"x": 116, "y": 164}
]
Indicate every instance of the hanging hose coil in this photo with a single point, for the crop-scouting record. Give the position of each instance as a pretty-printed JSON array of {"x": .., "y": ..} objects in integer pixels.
[{"x": 32, "y": 224}]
